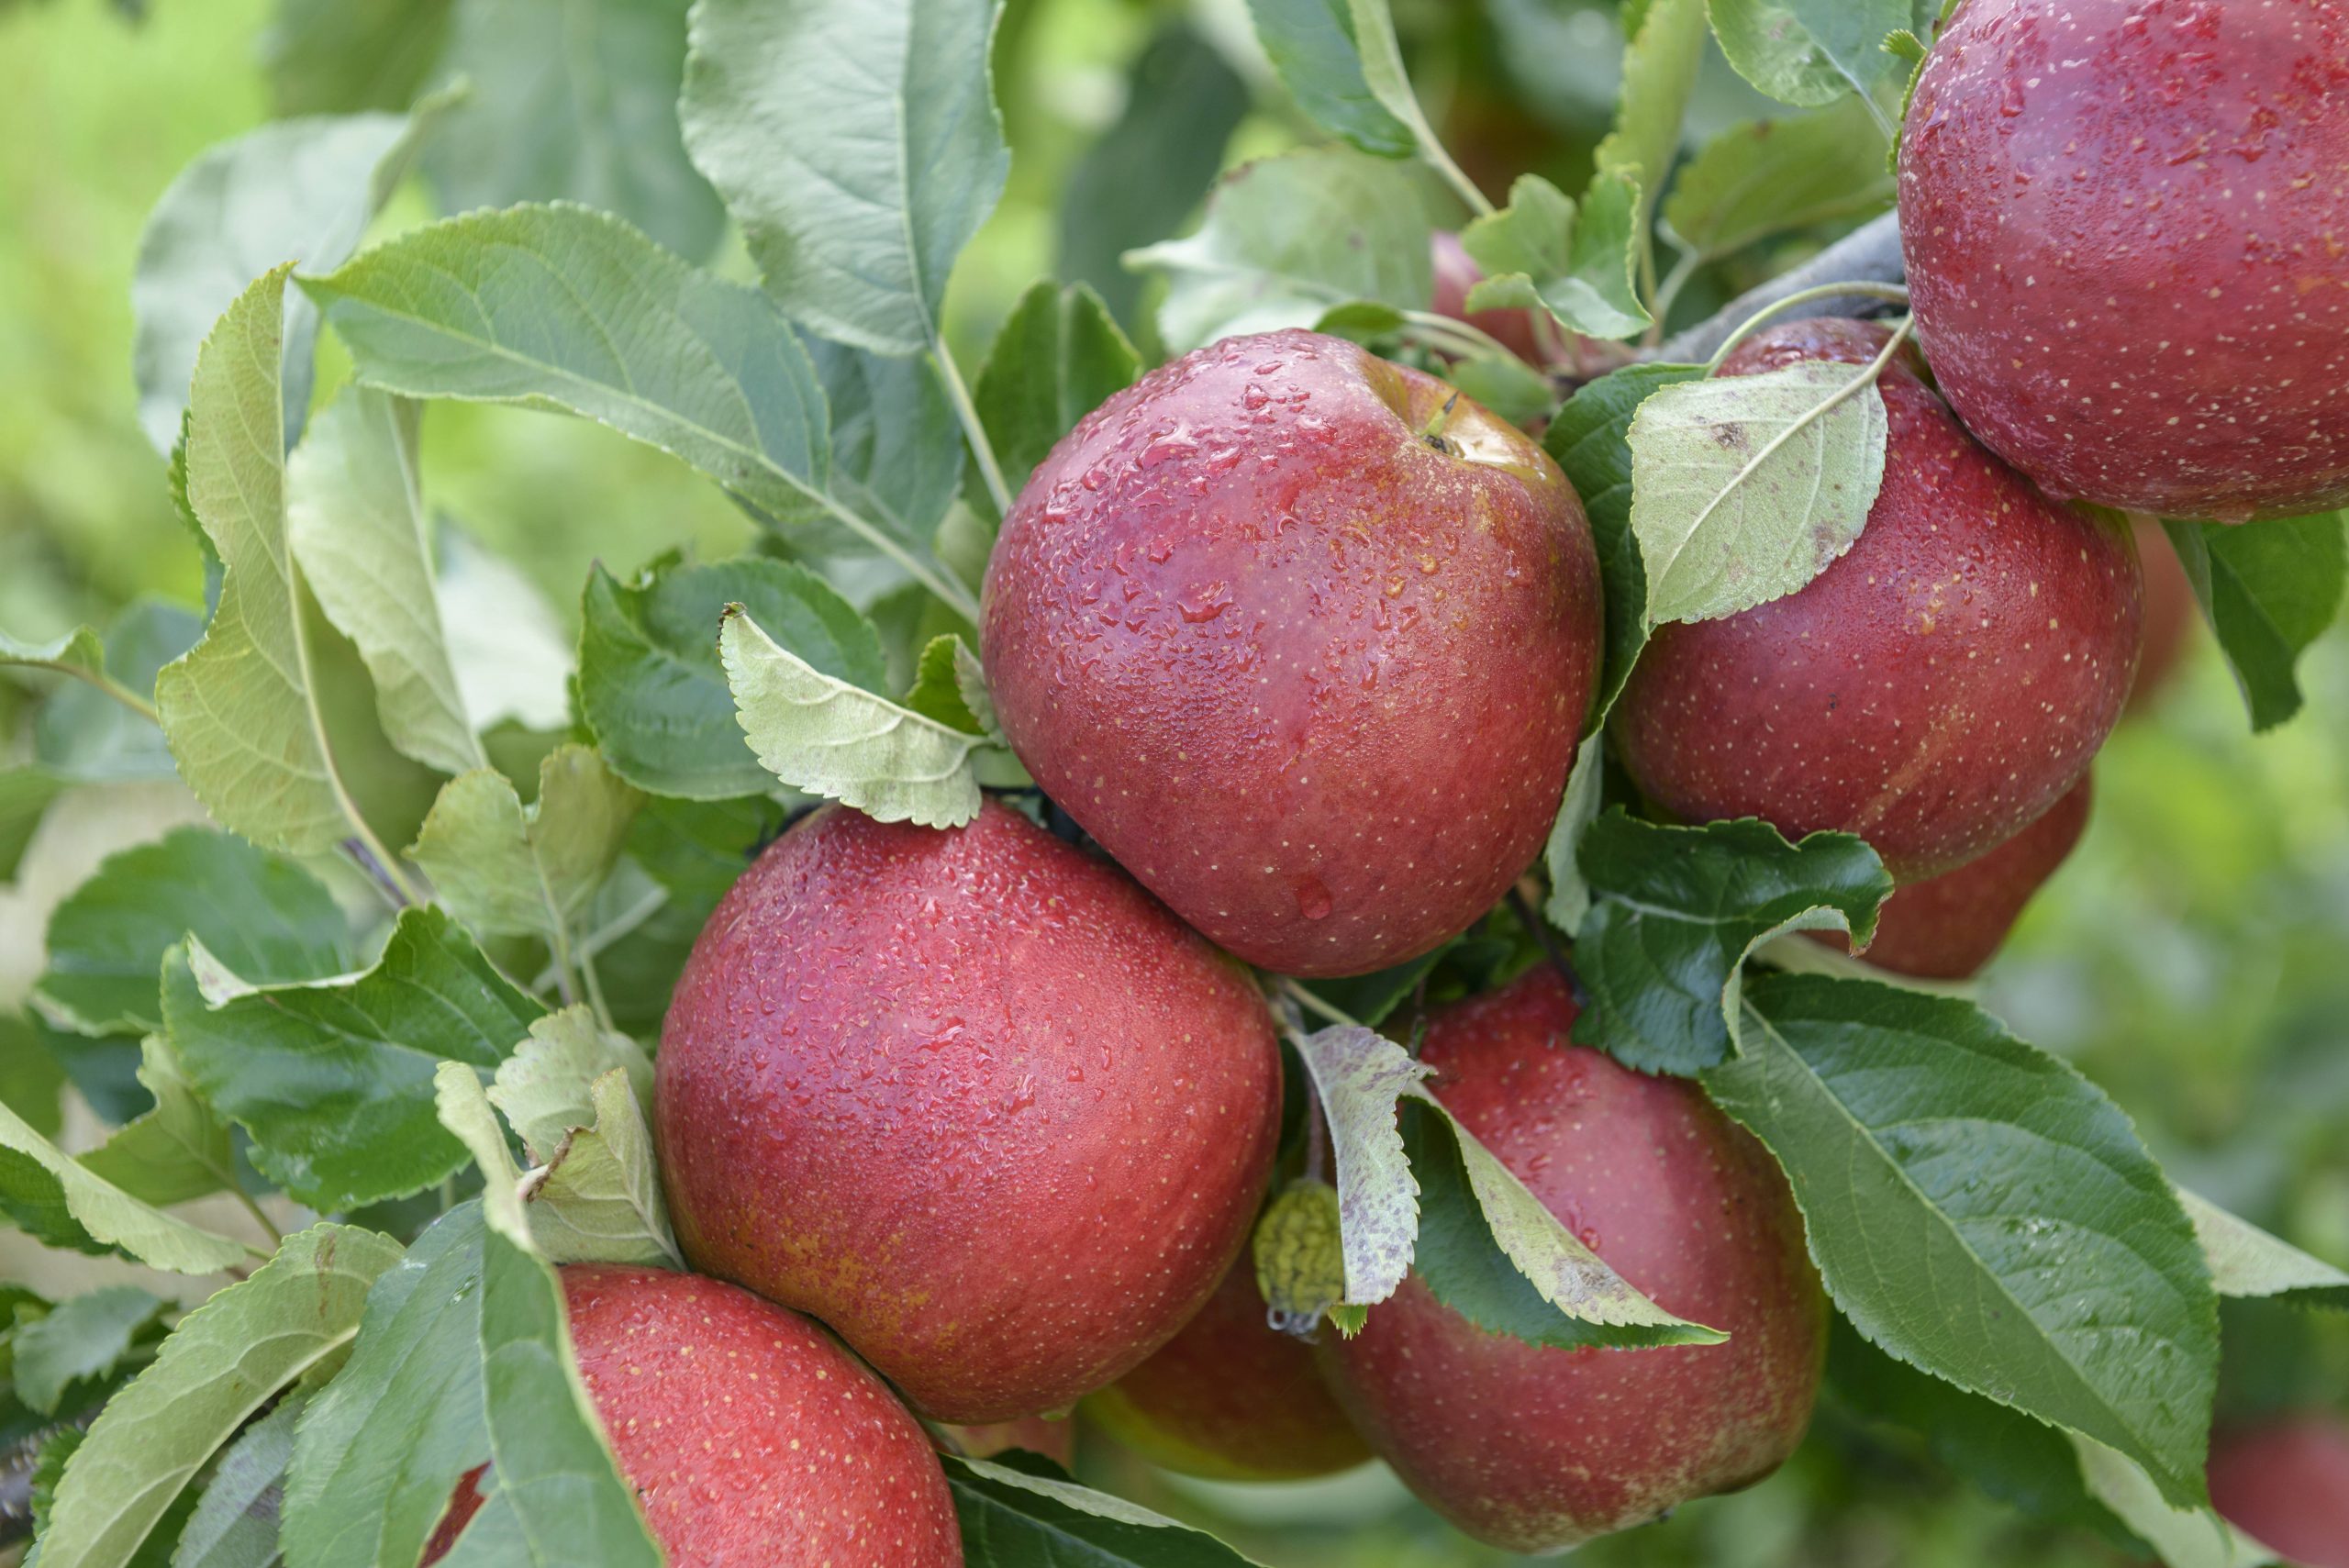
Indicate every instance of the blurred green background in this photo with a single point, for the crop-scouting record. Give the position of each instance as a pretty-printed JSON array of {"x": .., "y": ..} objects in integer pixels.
[{"x": 2193, "y": 957}]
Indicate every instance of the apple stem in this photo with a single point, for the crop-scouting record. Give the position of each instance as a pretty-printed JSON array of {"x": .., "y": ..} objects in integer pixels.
[{"x": 1432, "y": 432}]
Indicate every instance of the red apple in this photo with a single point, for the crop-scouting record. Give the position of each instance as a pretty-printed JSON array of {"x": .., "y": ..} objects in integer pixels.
[
  {"x": 1055, "y": 1440},
  {"x": 2127, "y": 237},
  {"x": 1456, "y": 273},
  {"x": 1305, "y": 653},
  {"x": 1232, "y": 1398},
  {"x": 1533, "y": 1449},
  {"x": 971, "y": 1098},
  {"x": 1947, "y": 927},
  {"x": 2285, "y": 1483},
  {"x": 1936, "y": 689},
  {"x": 751, "y": 1439},
  {"x": 2171, "y": 614}
]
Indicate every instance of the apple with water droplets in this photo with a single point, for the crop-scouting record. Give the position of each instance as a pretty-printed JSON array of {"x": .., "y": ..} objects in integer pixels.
[
  {"x": 1231, "y": 1398},
  {"x": 1304, "y": 640},
  {"x": 973, "y": 1099},
  {"x": 1947, "y": 927},
  {"x": 2127, "y": 237},
  {"x": 1933, "y": 690},
  {"x": 750, "y": 1438},
  {"x": 1535, "y": 1449}
]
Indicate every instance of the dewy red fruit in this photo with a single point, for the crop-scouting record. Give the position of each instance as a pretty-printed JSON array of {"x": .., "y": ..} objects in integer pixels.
[
  {"x": 1947, "y": 927},
  {"x": 2286, "y": 1482},
  {"x": 1936, "y": 689},
  {"x": 2127, "y": 234},
  {"x": 751, "y": 1439},
  {"x": 1306, "y": 655},
  {"x": 1231, "y": 1398},
  {"x": 1533, "y": 1449},
  {"x": 971, "y": 1098}
]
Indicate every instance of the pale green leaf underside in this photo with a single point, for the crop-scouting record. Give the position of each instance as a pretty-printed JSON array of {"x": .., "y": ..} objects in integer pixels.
[
  {"x": 1287, "y": 238},
  {"x": 1745, "y": 488},
  {"x": 240, "y": 710},
  {"x": 2183, "y": 1537},
  {"x": 599, "y": 1199},
  {"x": 464, "y": 1110},
  {"x": 2247, "y": 1260},
  {"x": 507, "y": 870},
  {"x": 355, "y": 517},
  {"x": 822, "y": 735},
  {"x": 858, "y": 146},
  {"x": 62, "y": 1201},
  {"x": 221, "y": 1364},
  {"x": 1311, "y": 45},
  {"x": 1359, "y": 1074},
  {"x": 545, "y": 1087}
]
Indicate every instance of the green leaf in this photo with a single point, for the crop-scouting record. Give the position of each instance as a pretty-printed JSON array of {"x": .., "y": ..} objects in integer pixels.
[
  {"x": 546, "y": 1087},
  {"x": 559, "y": 306},
  {"x": 937, "y": 691},
  {"x": 355, "y": 518},
  {"x": 653, "y": 688},
  {"x": 597, "y": 1198},
  {"x": 858, "y": 146},
  {"x": 333, "y": 1078},
  {"x": 1287, "y": 238},
  {"x": 60, "y": 1201},
  {"x": 241, "y": 709},
  {"x": 224, "y": 1361},
  {"x": 1371, "y": 998},
  {"x": 1311, "y": 44},
  {"x": 83, "y": 1337},
  {"x": 555, "y": 1497},
  {"x": 1590, "y": 441},
  {"x": 25, "y": 795},
  {"x": 2269, "y": 588},
  {"x": 1569, "y": 899},
  {"x": 1359, "y": 1076},
  {"x": 1664, "y": 47},
  {"x": 464, "y": 1110},
  {"x": 235, "y": 1522},
  {"x": 896, "y": 443},
  {"x": 1539, "y": 253},
  {"x": 573, "y": 100},
  {"x": 818, "y": 733},
  {"x": 300, "y": 191},
  {"x": 1183, "y": 101},
  {"x": 1678, "y": 909},
  {"x": 382, "y": 1447},
  {"x": 1981, "y": 1211},
  {"x": 332, "y": 57},
  {"x": 1059, "y": 357},
  {"x": 2024, "y": 1463},
  {"x": 504, "y": 869},
  {"x": 32, "y": 1078},
  {"x": 1494, "y": 1252},
  {"x": 1028, "y": 1511},
  {"x": 79, "y": 652},
  {"x": 176, "y": 1148},
  {"x": 1762, "y": 178},
  {"x": 1747, "y": 487},
  {"x": 2248, "y": 1262},
  {"x": 1812, "y": 52},
  {"x": 260, "y": 914},
  {"x": 84, "y": 734}
]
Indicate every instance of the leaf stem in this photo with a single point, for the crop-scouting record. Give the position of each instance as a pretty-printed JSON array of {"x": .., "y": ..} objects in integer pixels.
[
  {"x": 1897, "y": 293},
  {"x": 975, "y": 432},
  {"x": 1683, "y": 269},
  {"x": 117, "y": 691},
  {"x": 1461, "y": 338},
  {"x": 1305, "y": 998},
  {"x": 595, "y": 985},
  {"x": 1432, "y": 151},
  {"x": 260, "y": 1217},
  {"x": 955, "y": 597}
]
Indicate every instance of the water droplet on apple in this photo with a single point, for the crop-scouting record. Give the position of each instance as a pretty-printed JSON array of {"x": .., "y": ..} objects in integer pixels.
[{"x": 1313, "y": 900}]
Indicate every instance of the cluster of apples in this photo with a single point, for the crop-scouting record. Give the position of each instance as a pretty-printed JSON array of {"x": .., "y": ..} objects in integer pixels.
[{"x": 1304, "y": 641}]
